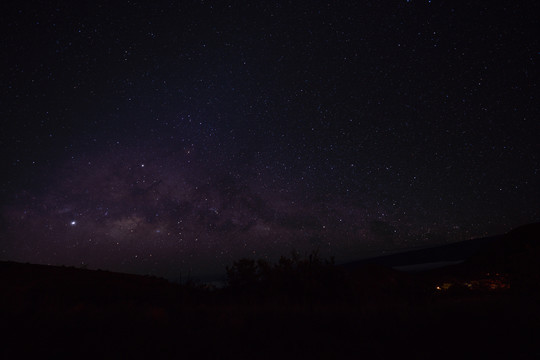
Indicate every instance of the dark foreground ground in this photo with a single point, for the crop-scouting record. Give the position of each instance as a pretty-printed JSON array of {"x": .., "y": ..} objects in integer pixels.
[{"x": 487, "y": 307}]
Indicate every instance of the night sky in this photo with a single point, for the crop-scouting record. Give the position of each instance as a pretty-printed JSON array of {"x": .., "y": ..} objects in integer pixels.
[{"x": 172, "y": 138}]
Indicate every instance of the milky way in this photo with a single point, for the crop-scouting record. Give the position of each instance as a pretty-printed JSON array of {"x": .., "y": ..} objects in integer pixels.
[
  {"x": 171, "y": 214},
  {"x": 166, "y": 214}
]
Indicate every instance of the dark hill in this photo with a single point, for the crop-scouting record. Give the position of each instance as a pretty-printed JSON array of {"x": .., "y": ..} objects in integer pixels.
[
  {"x": 518, "y": 245},
  {"x": 498, "y": 248},
  {"x": 71, "y": 286},
  {"x": 517, "y": 254},
  {"x": 444, "y": 253}
]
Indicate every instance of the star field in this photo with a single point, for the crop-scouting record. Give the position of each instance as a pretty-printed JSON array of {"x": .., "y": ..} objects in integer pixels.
[{"x": 174, "y": 138}]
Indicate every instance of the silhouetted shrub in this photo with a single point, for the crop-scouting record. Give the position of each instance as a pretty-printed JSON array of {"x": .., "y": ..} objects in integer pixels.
[
  {"x": 243, "y": 273},
  {"x": 300, "y": 278}
]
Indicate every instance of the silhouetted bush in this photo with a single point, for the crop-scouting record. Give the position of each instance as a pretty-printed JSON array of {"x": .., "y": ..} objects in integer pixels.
[
  {"x": 300, "y": 278},
  {"x": 243, "y": 273}
]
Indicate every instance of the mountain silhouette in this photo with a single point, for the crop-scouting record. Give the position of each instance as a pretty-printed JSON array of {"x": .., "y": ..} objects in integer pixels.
[{"x": 499, "y": 248}]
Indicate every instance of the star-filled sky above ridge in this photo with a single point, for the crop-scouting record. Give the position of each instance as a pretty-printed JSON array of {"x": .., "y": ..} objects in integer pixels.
[{"x": 172, "y": 138}]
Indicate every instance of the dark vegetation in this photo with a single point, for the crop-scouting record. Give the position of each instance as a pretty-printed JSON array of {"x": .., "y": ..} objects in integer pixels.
[{"x": 298, "y": 307}]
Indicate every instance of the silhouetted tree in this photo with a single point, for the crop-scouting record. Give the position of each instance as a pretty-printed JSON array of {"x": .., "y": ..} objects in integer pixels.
[
  {"x": 300, "y": 278},
  {"x": 242, "y": 273}
]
